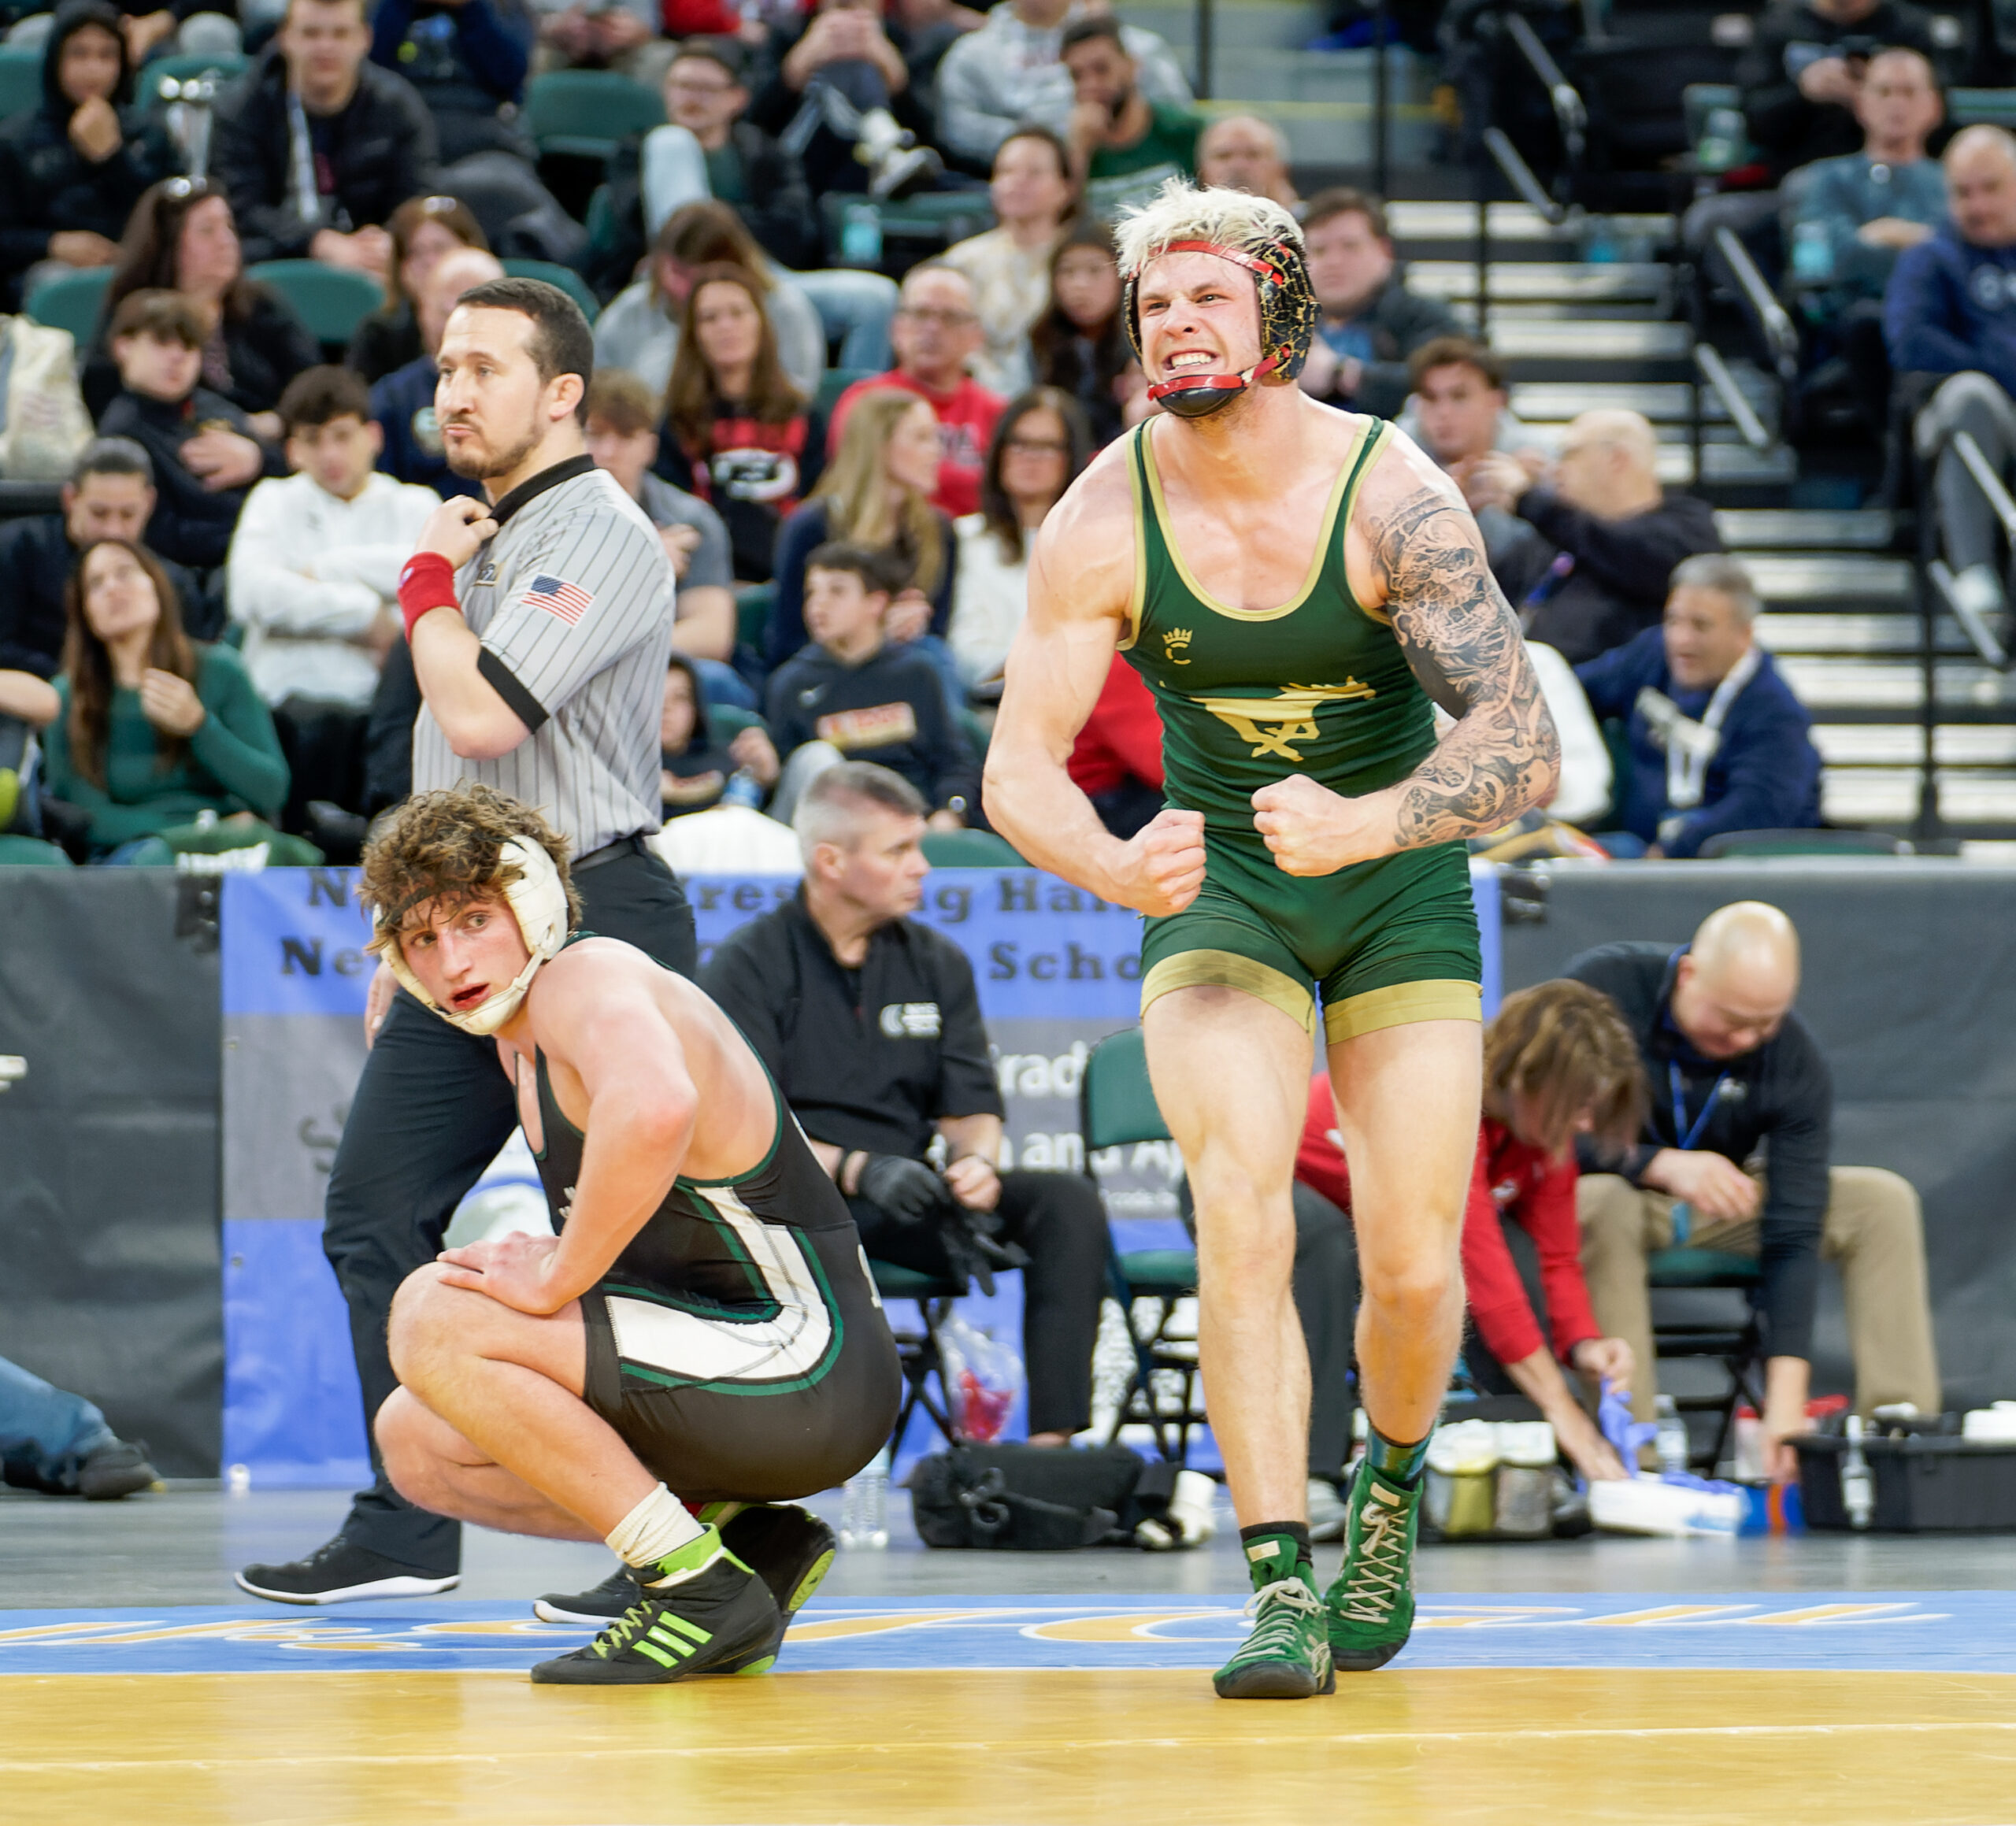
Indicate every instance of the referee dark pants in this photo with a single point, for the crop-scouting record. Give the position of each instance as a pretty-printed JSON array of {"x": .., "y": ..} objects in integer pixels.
[
  {"x": 1058, "y": 1219},
  {"x": 430, "y": 1112}
]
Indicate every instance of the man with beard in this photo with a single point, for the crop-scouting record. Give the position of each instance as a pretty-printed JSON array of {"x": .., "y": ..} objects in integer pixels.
[{"x": 538, "y": 620}]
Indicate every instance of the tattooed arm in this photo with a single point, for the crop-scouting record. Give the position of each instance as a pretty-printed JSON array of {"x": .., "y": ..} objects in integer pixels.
[{"x": 1412, "y": 548}]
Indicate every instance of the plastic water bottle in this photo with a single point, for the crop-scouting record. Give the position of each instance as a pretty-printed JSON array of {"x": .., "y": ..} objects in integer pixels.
[
  {"x": 1857, "y": 1488},
  {"x": 1721, "y": 142},
  {"x": 743, "y": 789},
  {"x": 1813, "y": 259},
  {"x": 860, "y": 236},
  {"x": 865, "y": 1505},
  {"x": 1670, "y": 1441}
]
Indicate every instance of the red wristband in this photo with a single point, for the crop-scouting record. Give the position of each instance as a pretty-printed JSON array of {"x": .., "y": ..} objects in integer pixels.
[{"x": 427, "y": 582}]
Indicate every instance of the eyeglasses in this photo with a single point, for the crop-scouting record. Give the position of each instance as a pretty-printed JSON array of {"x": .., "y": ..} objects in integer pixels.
[
  {"x": 1036, "y": 447},
  {"x": 941, "y": 320}
]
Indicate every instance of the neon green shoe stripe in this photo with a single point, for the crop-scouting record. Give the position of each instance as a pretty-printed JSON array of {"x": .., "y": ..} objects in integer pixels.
[
  {"x": 657, "y": 1655},
  {"x": 671, "y": 1642},
  {"x": 692, "y": 1629}
]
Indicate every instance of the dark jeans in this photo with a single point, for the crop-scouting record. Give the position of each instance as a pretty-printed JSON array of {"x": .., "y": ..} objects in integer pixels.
[
  {"x": 1058, "y": 1219},
  {"x": 1325, "y": 1291},
  {"x": 430, "y": 1112}
]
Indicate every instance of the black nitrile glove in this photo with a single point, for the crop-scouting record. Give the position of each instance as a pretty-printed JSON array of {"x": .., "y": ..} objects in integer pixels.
[
  {"x": 973, "y": 1249},
  {"x": 906, "y": 1189}
]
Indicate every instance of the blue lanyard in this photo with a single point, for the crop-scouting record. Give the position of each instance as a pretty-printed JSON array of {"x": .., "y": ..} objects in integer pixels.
[{"x": 1683, "y": 1137}]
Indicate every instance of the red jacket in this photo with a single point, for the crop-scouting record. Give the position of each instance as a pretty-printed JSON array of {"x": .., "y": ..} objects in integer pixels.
[
  {"x": 966, "y": 419},
  {"x": 1508, "y": 1179},
  {"x": 1122, "y": 738}
]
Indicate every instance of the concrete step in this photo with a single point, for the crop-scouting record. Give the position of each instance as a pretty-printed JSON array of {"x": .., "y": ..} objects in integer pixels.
[
  {"x": 1547, "y": 282},
  {"x": 1821, "y": 577},
  {"x": 1750, "y": 528},
  {"x": 1280, "y": 24},
  {"x": 1665, "y": 402},
  {"x": 1419, "y": 226},
  {"x": 1847, "y": 634},
  {"x": 1330, "y": 133},
  {"x": 1956, "y": 745},
  {"x": 1825, "y": 684},
  {"x": 1735, "y": 464}
]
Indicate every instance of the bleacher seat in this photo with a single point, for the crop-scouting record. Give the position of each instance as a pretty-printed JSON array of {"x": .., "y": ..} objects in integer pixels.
[
  {"x": 752, "y": 614},
  {"x": 20, "y": 79},
  {"x": 565, "y": 277},
  {"x": 969, "y": 850},
  {"x": 835, "y": 382},
  {"x": 920, "y": 225},
  {"x": 72, "y": 301},
  {"x": 330, "y": 300},
  {"x": 588, "y": 114}
]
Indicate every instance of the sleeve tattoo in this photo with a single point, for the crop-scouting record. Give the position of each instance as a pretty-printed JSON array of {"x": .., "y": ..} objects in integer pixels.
[{"x": 1464, "y": 644}]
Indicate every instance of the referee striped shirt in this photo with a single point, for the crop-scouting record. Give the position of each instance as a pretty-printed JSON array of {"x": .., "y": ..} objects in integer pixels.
[{"x": 573, "y": 601}]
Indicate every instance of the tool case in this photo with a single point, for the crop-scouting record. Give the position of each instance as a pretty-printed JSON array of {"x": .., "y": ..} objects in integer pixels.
[{"x": 1925, "y": 1483}]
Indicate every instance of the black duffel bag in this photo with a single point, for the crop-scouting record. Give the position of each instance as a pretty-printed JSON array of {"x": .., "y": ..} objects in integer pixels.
[{"x": 1035, "y": 1500}]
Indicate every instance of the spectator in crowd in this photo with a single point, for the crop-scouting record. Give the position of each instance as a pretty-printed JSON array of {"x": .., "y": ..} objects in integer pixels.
[
  {"x": 1123, "y": 147},
  {"x": 1558, "y": 1063},
  {"x": 57, "y": 1443},
  {"x": 182, "y": 239},
  {"x": 1079, "y": 345},
  {"x": 877, "y": 492},
  {"x": 1718, "y": 741},
  {"x": 1458, "y": 408},
  {"x": 1242, "y": 152},
  {"x": 1734, "y": 1073},
  {"x": 639, "y": 331},
  {"x": 1950, "y": 310},
  {"x": 853, "y": 696},
  {"x": 72, "y": 170},
  {"x": 937, "y": 331},
  {"x": 315, "y": 145},
  {"x": 1040, "y": 448},
  {"x": 870, "y": 1025},
  {"x": 1010, "y": 73},
  {"x": 1116, "y": 762},
  {"x": 43, "y": 424},
  {"x": 923, "y": 31},
  {"x": 205, "y": 453},
  {"x": 144, "y": 31},
  {"x": 623, "y": 439},
  {"x": 467, "y": 59},
  {"x": 314, "y": 572},
  {"x": 1370, "y": 323},
  {"x": 152, "y": 729},
  {"x": 1608, "y": 534},
  {"x": 695, "y": 766},
  {"x": 402, "y": 403},
  {"x": 1805, "y": 62},
  {"x": 422, "y": 229},
  {"x": 591, "y": 35},
  {"x": 738, "y": 435},
  {"x": 1008, "y": 267}
]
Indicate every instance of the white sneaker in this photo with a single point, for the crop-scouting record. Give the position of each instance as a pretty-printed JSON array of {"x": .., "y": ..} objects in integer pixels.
[{"x": 1327, "y": 1512}]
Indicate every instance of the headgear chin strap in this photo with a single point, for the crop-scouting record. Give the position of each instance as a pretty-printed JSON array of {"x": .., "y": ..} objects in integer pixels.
[
  {"x": 1287, "y": 321},
  {"x": 538, "y": 900}
]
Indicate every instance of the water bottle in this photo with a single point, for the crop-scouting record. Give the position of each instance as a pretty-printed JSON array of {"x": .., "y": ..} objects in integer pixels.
[
  {"x": 1813, "y": 259},
  {"x": 743, "y": 789},
  {"x": 1857, "y": 1488},
  {"x": 865, "y": 1505},
  {"x": 860, "y": 236},
  {"x": 1721, "y": 142},
  {"x": 1670, "y": 1441}
]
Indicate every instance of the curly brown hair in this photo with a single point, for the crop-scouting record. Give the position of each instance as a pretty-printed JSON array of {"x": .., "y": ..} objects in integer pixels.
[
  {"x": 1565, "y": 1045},
  {"x": 446, "y": 846}
]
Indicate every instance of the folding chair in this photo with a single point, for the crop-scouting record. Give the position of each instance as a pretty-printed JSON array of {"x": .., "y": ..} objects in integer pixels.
[
  {"x": 917, "y": 1348},
  {"x": 1116, "y": 1108},
  {"x": 1686, "y": 1325}
]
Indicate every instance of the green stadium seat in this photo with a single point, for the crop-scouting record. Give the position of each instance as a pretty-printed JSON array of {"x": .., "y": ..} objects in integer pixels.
[
  {"x": 20, "y": 80},
  {"x": 969, "y": 850},
  {"x": 565, "y": 277},
  {"x": 752, "y": 614},
  {"x": 835, "y": 382},
  {"x": 72, "y": 301},
  {"x": 726, "y": 721},
  {"x": 935, "y": 218},
  {"x": 588, "y": 114},
  {"x": 330, "y": 300}
]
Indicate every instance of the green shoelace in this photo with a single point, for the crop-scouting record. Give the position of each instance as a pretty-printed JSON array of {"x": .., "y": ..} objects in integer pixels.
[{"x": 617, "y": 1636}]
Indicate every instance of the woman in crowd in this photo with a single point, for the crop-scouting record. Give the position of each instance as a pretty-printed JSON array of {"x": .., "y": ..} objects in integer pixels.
[
  {"x": 72, "y": 170},
  {"x": 877, "y": 492},
  {"x": 737, "y": 433},
  {"x": 1558, "y": 1062},
  {"x": 1079, "y": 344},
  {"x": 1039, "y": 446},
  {"x": 641, "y": 329},
  {"x": 182, "y": 238},
  {"x": 152, "y": 729},
  {"x": 1009, "y": 266},
  {"x": 695, "y": 766},
  {"x": 422, "y": 229}
]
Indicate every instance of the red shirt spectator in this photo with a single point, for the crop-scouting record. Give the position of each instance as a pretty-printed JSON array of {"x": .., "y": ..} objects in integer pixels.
[
  {"x": 966, "y": 419},
  {"x": 1122, "y": 738}
]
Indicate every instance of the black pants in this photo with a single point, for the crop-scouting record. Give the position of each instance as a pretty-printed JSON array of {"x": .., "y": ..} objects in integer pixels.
[
  {"x": 431, "y": 1111},
  {"x": 1326, "y": 1301},
  {"x": 1058, "y": 1219}
]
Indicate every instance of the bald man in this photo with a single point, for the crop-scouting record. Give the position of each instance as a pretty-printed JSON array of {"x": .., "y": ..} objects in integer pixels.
[
  {"x": 1605, "y": 535},
  {"x": 1242, "y": 152},
  {"x": 1950, "y": 308},
  {"x": 1735, "y": 1073}
]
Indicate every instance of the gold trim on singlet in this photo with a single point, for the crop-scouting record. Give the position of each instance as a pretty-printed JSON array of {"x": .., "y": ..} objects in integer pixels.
[
  {"x": 1137, "y": 604},
  {"x": 1347, "y": 472},
  {"x": 1400, "y": 1005},
  {"x": 1228, "y": 970}
]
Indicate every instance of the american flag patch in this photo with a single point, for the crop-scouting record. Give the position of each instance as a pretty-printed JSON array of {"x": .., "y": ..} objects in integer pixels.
[{"x": 557, "y": 597}]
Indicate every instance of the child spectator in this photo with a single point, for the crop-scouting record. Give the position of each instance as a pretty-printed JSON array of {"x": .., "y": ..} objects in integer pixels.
[
  {"x": 742, "y": 436},
  {"x": 1038, "y": 448},
  {"x": 1079, "y": 345},
  {"x": 182, "y": 238},
  {"x": 315, "y": 562},
  {"x": 1009, "y": 266},
  {"x": 859, "y": 698},
  {"x": 72, "y": 170},
  {"x": 695, "y": 766},
  {"x": 204, "y": 451},
  {"x": 152, "y": 729},
  {"x": 423, "y": 230}
]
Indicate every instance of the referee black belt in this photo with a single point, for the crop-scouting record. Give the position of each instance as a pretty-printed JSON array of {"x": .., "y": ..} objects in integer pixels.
[{"x": 632, "y": 845}]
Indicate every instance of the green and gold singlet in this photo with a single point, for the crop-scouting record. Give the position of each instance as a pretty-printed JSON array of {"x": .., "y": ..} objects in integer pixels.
[{"x": 1318, "y": 687}]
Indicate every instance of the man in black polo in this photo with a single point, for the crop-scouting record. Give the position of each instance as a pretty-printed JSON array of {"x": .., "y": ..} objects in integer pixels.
[
  {"x": 1738, "y": 1084},
  {"x": 871, "y": 1026}
]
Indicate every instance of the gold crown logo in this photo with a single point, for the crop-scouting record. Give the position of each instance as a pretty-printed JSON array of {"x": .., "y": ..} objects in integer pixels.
[{"x": 1178, "y": 637}]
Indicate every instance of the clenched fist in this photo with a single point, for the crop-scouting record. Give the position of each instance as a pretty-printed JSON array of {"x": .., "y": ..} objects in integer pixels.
[
  {"x": 1312, "y": 831},
  {"x": 1163, "y": 864}
]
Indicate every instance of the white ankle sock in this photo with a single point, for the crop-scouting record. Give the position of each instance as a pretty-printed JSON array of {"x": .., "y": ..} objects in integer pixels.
[{"x": 659, "y": 1525}]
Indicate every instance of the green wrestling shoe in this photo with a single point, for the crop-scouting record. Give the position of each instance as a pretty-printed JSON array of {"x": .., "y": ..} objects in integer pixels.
[
  {"x": 1371, "y": 1607},
  {"x": 1287, "y": 1656},
  {"x": 706, "y": 1613}
]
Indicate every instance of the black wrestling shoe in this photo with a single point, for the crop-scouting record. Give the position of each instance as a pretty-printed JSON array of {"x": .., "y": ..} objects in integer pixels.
[
  {"x": 338, "y": 1573},
  {"x": 705, "y": 1613},
  {"x": 602, "y": 1603},
  {"x": 115, "y": 1471},
  {"x": 788, "y": 1548}
]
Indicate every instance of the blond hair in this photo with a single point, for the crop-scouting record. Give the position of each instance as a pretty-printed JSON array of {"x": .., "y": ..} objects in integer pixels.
[
  {"x": 862, "y": 507},
  {"x": 1180, "y": 211}
]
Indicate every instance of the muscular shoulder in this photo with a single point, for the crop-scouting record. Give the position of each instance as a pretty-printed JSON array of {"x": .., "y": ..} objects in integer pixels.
[
  {"x": 576, "y": 994},
  {"x": 1085, "y": 551}
]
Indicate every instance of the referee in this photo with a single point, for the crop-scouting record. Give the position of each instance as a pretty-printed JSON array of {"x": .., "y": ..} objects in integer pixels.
[{"x": 539, "y": 623}]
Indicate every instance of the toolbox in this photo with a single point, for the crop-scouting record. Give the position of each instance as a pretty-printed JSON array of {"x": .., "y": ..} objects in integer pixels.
[{"x": 1925, "y": 1483}]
